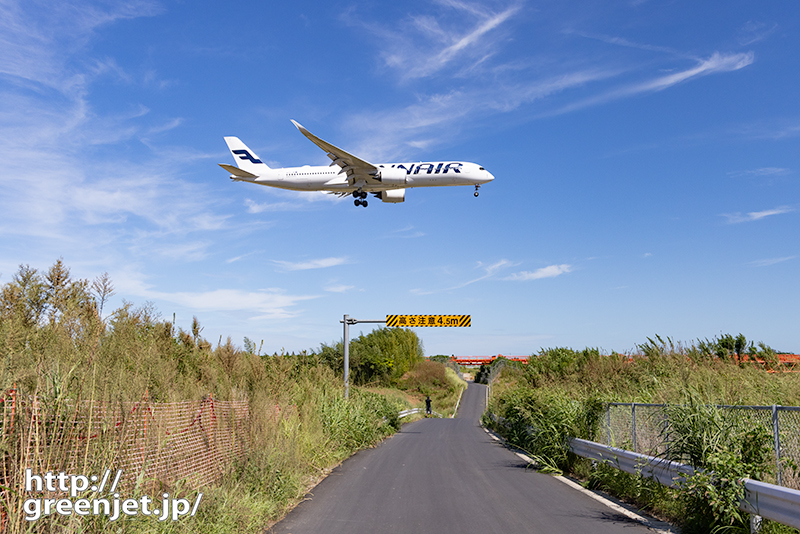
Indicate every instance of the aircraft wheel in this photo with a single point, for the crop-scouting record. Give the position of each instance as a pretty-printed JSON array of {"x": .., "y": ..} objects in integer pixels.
[
  {"x": 363, "y": 194},
  {"x": 364, "y": 203},
  {"x": 357, "y": 202},
  {"x": 476, "y": 193}
]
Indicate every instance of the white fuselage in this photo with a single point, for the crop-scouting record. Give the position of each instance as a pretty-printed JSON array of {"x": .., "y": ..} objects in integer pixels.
[
  {"x": 331, "y": 178},
  {"x": 351, "y": 175}
]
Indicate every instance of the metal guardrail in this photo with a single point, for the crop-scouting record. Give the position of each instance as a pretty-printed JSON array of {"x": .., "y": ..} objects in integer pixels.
[
  {"x": 664, "y": 471},
  {"x": 776, "y": 503},
  {"x": 772, "y": 502},
  {"x": 412, "y": 411}
]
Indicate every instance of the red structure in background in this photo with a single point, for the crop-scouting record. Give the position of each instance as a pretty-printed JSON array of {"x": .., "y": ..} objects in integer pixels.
[
  {"x": 787, "y": 363},
  {"x": 477, "y": 361}
]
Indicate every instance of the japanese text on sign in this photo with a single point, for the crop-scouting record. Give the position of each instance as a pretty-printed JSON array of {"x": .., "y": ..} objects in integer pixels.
[{"x": 428, "y": 320}]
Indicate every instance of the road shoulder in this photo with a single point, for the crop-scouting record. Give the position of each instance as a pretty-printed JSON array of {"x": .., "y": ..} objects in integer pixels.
[{"x": 654, "y": 524}]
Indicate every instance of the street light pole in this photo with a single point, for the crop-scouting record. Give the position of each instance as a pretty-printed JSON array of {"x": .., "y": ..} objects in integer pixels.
[
  {"x": 346, "y": 343},
  {"x": 347, "y": 321}
]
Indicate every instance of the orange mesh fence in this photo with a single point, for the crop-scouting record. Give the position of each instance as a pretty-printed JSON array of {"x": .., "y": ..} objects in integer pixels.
[{"x": 193, "y": 442}]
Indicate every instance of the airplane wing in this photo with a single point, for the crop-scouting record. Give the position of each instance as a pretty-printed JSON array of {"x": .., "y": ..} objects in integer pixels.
[{"x": 355, "y": 168}]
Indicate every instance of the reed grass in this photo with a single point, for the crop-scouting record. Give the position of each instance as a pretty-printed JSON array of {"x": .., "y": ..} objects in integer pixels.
[
  {"x": 63, "y": 356},
  {"x": 561, "y": 394}
]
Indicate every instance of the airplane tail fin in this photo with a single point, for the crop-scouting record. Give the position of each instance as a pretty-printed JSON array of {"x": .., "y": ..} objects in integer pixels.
[{"x": 245, "y": 158}]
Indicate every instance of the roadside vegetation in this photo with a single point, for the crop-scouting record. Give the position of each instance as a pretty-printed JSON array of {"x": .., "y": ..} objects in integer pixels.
[
  {"x": 434, "y": 379},
  {"x": 563, "y": 392},
  {"x": 61, "y": 346}
]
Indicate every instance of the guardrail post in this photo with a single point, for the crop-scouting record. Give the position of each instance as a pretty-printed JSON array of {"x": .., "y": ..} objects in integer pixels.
[
  {"x": 633, "y": 426},
  {"x": 608, "y": 424},
  {"x": 755, "y": 523},
  {"x": 776, "y": 431}
]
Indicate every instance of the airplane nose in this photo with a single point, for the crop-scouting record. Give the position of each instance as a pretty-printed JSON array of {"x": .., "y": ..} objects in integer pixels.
[{"x": 489, "y": 176}]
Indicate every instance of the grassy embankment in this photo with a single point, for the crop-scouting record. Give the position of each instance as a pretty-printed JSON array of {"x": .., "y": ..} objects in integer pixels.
[
  {"x": 59, "y": 348},
  {"x": 562, "y": 392}
]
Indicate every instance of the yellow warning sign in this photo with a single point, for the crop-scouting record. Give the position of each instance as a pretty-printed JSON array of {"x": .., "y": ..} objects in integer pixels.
[{"x": 428, "y": 320}]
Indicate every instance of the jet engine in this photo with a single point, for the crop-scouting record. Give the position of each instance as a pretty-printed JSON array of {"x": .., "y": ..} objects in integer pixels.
[
  {"x": 392, "y": 195},
  {"x": 391, "y": 176}
]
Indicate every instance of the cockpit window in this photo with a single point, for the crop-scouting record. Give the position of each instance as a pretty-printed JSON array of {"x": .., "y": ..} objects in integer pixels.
[{"x": 481, "y": 168}]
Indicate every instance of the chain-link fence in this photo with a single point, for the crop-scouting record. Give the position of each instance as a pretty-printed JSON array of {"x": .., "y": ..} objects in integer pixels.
[{"x": 644, "y": 428}]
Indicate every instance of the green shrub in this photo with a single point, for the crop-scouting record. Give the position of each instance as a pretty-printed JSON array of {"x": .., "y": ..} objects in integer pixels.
[{"x": 381, "y": 357}]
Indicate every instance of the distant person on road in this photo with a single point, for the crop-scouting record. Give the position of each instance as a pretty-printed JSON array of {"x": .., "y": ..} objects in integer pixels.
[{"x": 428, "y": 405}]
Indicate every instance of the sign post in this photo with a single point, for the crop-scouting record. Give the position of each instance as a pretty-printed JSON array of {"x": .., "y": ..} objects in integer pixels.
[
  {"x": 346, "y": 349},
  {"x": 400, "y": 321}
]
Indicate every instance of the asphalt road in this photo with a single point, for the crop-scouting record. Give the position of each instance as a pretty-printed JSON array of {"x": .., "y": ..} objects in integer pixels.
[{"x": 447, "y": 476}]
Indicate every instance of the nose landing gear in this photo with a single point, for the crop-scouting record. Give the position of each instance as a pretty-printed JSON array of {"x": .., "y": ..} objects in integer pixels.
[{"x": 476, "y": 190}]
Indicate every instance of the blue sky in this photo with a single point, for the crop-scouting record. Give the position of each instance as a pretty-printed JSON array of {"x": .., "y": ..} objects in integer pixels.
[{"x": 646, "y": 155}]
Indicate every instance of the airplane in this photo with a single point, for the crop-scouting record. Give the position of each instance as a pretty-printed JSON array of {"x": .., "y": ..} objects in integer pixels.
[{"x": 349, "y": 175}]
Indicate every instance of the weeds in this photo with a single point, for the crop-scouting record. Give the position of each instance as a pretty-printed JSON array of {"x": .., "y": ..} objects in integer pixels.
[
  {"x": 561, "y": 392},
  {"x": 68, "y": 364}
]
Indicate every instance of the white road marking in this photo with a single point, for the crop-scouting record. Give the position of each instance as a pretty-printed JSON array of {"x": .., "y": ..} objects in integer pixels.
[{"x": 599, "y": 498}]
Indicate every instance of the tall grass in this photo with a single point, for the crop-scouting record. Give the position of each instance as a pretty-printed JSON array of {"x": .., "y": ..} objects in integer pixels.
[
  {"x": 63, "y": 351},
  {"x": 561, "y": 393}
]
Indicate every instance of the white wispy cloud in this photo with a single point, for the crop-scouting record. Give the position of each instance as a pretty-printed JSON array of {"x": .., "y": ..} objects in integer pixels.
[
  {"x": 407, "y": 232},
  {"x": 755, "y": 31},
  {"x": 393, "y": 134},
  {"x": 764, "y": 171},
  {"x": 37, "y": 37},
  {"x": 550, "y": 271},
  {"x": 261, "y": 207},
  {"x": 191, "y": 251},
  {"x": 621, "y": 41},
  {"x": 322, "y": 263},
  {"x": 434, "y": 44},
  {"x": 271, "y": 303},
  {"x": 241, "y": 257},
  {"x": 774, "y": 129},
  {"x": 339, "y": 288},
  {"x": 489, "y": 271},
  {"x": 771, "y": 261},
  {"x": 717, "y": 63},
  {"x": 486, "y": 78},
  {"x": 734, "y": 218},
  {"x": 294, "y": 200},
  {"x": 56, "y": 181}
]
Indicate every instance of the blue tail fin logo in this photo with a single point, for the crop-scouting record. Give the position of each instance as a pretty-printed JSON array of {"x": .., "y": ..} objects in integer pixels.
[{"x": 244, "y": 154}]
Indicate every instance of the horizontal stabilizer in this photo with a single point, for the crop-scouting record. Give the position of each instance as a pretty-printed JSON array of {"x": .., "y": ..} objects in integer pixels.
[{"x": 236, "y": 171}]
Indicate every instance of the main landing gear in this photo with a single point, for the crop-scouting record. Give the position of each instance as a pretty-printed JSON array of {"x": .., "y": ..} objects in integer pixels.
[
  {"x": 476, "y": 190},
  {"x": 360, "y": 198}
]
